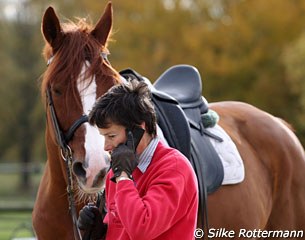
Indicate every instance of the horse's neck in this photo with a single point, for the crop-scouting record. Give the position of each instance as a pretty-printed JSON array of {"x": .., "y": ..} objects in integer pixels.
[
  {"x": 54, "y": 181},
  {"x": 56, "y": 164},
  {"x": 52, "y": 199}
]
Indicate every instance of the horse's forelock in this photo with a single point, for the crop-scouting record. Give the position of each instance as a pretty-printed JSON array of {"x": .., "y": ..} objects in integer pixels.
[{"x": 77, "y": 47}]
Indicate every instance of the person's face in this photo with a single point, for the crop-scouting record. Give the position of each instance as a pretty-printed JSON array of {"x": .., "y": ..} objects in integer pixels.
[{"x": 114, "y": 135}]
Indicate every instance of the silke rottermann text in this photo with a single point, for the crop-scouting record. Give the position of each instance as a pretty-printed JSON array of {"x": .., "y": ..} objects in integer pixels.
[{"x": 246, "y": 233}]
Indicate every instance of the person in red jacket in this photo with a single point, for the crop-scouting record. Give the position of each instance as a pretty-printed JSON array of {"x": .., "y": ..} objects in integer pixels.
[{"x": 151, "y": 189}]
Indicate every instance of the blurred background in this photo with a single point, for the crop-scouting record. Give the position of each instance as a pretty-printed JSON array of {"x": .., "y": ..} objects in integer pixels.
[{"x": 245, "y": 50}]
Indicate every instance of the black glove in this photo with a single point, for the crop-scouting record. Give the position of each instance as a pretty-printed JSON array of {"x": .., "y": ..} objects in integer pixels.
[
  {"x": 90, "y": 220},
  {"x": 123, "y": 157}
]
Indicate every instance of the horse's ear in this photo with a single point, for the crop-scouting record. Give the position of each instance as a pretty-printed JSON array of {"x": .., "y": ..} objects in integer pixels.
[
  {"x": 51, "y": 28},
  {"x": 102, "y": 29}
]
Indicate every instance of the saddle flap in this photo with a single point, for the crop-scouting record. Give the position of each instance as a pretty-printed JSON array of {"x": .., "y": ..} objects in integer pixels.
[
  {"x": 183, "y": 82},
  {"x": 173, "y": 123}
]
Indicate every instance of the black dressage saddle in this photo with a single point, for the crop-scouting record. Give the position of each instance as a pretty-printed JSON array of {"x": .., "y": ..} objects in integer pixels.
[
  {"x": 177, "y": 95},
  {"x": 183, "y": 83}
]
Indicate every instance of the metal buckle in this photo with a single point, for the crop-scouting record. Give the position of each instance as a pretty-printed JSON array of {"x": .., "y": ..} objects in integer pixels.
[{"x": 66, "y": 153}]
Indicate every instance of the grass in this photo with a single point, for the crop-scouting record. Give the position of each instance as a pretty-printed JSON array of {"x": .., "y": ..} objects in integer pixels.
[
  {"x": 15, "y": 225},
  {"x": 16, "y": 206}
]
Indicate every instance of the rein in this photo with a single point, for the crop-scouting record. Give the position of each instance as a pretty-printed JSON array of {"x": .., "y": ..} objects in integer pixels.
[{"x": 66, "y": 154}]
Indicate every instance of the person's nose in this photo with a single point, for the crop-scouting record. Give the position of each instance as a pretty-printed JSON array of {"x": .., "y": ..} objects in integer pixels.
[{"x": 108, "y": 147}]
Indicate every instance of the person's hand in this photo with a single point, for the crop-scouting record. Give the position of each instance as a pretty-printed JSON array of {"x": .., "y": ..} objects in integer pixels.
[
  {"x": 123, "y": 158},
  {"x": 86, "y": 217},
  {"x": 90, "y": 220}
]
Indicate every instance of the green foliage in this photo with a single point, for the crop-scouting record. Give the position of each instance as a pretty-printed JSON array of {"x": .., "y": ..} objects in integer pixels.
[
  {"x": 19, "y": 89},
  {"x": 248, "y": 50},
  {"x": 294, "y": 61},
  {"x": 15, "y": 204}
]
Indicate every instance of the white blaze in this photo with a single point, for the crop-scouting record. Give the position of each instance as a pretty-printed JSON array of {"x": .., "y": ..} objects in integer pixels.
[{"x": 94, "y": 141}]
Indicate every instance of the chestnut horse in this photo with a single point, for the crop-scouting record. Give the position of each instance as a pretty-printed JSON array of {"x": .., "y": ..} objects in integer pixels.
[{"x": 271, "y": 197}]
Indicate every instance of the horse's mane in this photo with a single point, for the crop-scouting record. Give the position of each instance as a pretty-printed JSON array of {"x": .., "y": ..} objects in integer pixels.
[{"x": 77, "y": 47}]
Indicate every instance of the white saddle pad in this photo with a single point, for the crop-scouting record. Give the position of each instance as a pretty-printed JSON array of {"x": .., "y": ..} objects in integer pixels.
[{"x": 234, "y": 171}]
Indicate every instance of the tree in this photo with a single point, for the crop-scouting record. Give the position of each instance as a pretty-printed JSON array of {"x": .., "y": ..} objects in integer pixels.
[
  {"x": 294, "y": 60},
  {"x": 238, "y": 47},
  {"x": 20, "y": 90}
]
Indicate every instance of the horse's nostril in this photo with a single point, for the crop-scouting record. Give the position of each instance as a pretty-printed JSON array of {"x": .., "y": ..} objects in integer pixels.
[
  {"x": 100, "y": 178},
  {"x": 79, "y": 170}
]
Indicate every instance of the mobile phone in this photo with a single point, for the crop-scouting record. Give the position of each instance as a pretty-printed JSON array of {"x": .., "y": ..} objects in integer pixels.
[{"x": 134, "y": 137}]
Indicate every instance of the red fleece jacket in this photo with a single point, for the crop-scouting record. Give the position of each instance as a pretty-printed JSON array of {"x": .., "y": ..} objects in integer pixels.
[{"x": 160, "y": 204}]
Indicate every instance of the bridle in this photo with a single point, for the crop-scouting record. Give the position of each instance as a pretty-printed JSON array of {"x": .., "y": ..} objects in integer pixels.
[
  {"x": 61, "y": 137},
  {"x": 66, "y": 154},
  {"x": 63, "y": 140}
]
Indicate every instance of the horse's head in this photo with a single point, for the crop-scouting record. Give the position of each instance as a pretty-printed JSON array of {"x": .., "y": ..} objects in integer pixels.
[{"x": 77, "y": 74}]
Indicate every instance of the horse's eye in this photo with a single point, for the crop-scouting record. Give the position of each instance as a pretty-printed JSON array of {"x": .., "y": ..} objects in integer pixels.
[{"x": 57, "y": 91}]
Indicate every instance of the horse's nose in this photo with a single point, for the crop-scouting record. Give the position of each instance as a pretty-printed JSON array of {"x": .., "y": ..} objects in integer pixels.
[{"x": 93, "y": 177}]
